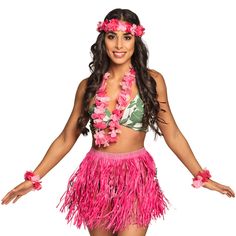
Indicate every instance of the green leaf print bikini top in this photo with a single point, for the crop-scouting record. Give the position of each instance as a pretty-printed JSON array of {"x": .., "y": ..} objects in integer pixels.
[{"x": 132, "y": 115}]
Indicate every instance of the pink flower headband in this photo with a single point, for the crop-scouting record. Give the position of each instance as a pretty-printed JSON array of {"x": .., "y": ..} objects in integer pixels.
[{"x": 118, "y": 25}]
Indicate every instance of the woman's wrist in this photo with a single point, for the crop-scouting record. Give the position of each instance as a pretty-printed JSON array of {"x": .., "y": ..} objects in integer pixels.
[
  {"x": 200, "y": 178},
  {"x": 35, "y": 179}
]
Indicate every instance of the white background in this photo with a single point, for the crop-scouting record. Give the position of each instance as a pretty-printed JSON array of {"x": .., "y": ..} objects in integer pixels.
[{"x": 44, "y": 54}]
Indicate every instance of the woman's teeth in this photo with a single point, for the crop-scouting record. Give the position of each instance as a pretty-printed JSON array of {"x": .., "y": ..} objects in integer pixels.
[{"x": 119, "y": 54}]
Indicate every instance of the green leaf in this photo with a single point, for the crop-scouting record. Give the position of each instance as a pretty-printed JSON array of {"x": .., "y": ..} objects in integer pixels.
[
  {"x": 139, "y": 103},
  {"x": 107, "y": 112},
  {"x": 132, "y": 103},
  {"x": 136, "y": 116},
  {"x": 91, "y": 109},
  {"x": 123, "y": 121}
]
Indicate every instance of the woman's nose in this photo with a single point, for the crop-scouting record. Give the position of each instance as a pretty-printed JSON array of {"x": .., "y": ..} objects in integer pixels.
[{"x": 119, "y": 43}]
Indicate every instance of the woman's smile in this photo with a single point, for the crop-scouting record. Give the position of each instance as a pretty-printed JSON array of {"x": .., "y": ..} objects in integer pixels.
[{"x": 119, "y": 54}]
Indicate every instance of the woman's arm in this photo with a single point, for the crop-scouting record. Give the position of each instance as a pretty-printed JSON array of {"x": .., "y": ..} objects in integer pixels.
[
  {"x": 57, "y": 150},
  {"x": 176, "y": 140},
  {"x": 65, "y": 141}
]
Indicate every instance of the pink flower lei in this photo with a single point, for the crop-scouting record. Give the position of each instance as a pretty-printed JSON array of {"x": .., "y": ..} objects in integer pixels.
[
  {"x": 101, "y": 104},
  {"x": 118, "y": 25}
]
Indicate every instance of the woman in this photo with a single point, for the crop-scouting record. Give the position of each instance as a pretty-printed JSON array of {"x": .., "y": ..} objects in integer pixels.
[{"x": 115, "y": 190}]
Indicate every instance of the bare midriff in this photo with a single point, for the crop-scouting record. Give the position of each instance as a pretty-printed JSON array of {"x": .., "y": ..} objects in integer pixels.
[{"x": 128, "y": 140}]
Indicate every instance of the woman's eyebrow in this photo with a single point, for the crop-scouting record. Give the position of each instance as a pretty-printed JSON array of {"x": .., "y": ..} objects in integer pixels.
[
  {"x": 112, "y": 32},
  {"x": 127, "y": 33}
]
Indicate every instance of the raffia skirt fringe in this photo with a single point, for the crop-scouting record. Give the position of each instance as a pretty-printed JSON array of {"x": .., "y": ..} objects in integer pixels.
[{"x": 114, "y": 190}]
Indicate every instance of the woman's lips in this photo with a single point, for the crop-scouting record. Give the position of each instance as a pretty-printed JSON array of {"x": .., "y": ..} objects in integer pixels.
[{"x": 119, "y": 54}]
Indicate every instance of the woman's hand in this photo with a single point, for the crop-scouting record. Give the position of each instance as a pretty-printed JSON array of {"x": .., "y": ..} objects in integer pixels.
[
  {"x": 212, "y": 185},
  {"x": 17, "y": 192}
]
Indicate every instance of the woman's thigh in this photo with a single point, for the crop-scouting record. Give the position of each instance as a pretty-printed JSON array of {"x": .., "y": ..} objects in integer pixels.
[
  {"x": 133, "y": 230},
  {"x": 100, "y": 232}
]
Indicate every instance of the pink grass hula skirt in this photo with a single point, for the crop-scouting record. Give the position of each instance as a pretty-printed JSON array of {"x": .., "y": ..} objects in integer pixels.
[{"x": 114, "y": 190}]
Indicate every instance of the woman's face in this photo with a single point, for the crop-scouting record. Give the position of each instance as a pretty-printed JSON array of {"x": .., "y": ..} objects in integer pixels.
[{"x": 119, "y": 46}]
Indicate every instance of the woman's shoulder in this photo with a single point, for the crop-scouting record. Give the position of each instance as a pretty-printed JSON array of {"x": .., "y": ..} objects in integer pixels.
[
  {"x": 83, "y": 83},
  {"x": 157, "y": 76},
  {"x": 81, "y": 87}
]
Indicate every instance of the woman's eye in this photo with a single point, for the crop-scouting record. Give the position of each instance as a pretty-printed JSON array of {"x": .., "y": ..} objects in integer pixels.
[
  {"x": 110, "y": 36},
  {"x": 128, "y": 37}
]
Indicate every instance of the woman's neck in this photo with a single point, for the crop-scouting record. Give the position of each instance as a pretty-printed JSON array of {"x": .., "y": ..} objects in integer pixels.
[{"x": 117, "y": 71}]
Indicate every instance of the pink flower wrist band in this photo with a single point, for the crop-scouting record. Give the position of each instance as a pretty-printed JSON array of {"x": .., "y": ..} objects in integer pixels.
[
  {"x": 201, "y": 178},
  {"x": 35, "y": 179}
]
